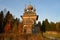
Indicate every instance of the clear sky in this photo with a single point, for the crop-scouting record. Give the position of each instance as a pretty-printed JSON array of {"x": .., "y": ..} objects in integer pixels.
[{"x": 49, "y": 9}]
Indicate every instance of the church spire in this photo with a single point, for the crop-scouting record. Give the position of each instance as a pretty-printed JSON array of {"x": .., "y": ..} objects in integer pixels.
[
  {"x": 25, "y": 9},
  {"x": 34, "y": 9},
  {"x": 30, "y": 2}
]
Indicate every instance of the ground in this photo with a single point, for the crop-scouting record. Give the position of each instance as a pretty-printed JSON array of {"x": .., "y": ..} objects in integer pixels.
[
  {"x": 12, "y": 36},
  {"x": 51, "y": 35}
]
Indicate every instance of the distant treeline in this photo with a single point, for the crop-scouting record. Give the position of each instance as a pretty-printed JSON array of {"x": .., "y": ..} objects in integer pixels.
[
  {"x": 6, "y": 19},
  {"x": 45, "y": 26}
]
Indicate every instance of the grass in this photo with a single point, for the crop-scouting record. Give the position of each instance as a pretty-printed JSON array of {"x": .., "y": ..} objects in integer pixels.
[{"x": 51, "y": 34}]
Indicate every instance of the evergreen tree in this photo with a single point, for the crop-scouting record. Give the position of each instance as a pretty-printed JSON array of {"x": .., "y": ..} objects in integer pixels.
[
  {"x": 1, "y": 21},
  {"x": 47, "y": 25},
  {"x": 43, "y": 27},
  {"x": 52, "y": 26},
  {"x": 9, "y": 18},
  {"x": 39, "y": 25}
]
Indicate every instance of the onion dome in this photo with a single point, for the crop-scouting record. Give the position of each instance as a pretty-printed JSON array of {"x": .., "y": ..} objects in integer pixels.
[{"x": 30, "y": 7}]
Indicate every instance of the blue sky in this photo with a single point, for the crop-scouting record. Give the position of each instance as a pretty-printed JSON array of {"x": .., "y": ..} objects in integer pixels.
[{"x": 49, "y": 9}]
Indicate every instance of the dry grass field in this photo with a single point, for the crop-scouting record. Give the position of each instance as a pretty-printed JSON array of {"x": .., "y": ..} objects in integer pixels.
[{"x": 51, "y": 35}]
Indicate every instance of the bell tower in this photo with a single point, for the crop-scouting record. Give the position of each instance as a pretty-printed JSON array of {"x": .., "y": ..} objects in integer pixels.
[{"x": 29, "y": 18}]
